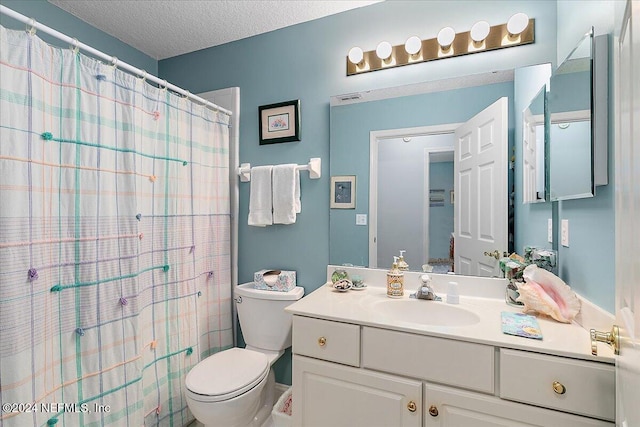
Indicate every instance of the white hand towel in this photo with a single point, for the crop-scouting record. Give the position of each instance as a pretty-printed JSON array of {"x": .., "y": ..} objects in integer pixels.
[
  {"x": 260, "y": 204},
  {"x": 286, "y": 194}
]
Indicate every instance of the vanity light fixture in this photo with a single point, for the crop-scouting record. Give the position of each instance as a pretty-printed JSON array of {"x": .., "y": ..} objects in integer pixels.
[
  {"x": 517, "y": 24},
  {"x": 480, "y": 31},
  {"x": 384, "y": 50},
  {"x": 356, "y": 55},
  {"x": 448, "y": 44},
  {"x": 446, "y": 36},
  {"x": 413, "y": 45}
]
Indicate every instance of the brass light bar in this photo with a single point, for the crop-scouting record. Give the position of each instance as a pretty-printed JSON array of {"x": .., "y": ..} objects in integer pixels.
[{"x": 498, "y": 38}]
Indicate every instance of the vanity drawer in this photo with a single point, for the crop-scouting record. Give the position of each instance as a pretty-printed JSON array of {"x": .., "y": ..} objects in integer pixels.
[
  {"x": 578, "y": 386},
  {"x": 327, "y": 340},
  {"x": 444, "y": 361}
]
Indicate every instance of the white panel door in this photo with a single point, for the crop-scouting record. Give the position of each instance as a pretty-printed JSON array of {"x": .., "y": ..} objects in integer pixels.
[
  {"x": 627, "y": 187},
  {"x": 480, "y": 184}
]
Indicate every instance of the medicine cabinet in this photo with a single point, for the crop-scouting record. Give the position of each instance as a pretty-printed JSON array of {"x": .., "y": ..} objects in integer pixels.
[{"x": 565, "y": 130}]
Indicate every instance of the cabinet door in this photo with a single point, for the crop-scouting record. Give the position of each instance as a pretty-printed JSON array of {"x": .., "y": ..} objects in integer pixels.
[
  {"x": 329, "y": 394},
  {"x": 447, "y": 407}
]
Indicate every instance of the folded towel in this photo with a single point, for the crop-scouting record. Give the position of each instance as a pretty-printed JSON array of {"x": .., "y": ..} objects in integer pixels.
[
  {"x": 286, "y": 193},
  {"x": 260, "y": 204}
]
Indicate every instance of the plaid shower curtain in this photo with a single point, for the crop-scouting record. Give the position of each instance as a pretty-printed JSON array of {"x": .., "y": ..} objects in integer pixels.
[{"x": 114, "y": 241}]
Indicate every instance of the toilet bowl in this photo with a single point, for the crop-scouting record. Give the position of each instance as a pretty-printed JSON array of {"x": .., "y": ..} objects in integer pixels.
[
  {"x": 235, "y": 387},
  {"x": 225, "y": 389}
]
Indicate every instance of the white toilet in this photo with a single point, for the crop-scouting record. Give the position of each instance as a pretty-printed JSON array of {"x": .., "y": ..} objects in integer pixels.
[{"x": 235, "y": 387}]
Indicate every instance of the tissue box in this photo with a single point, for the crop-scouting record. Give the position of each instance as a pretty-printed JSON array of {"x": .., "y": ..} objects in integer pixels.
[{"x": 274, "y": 280}]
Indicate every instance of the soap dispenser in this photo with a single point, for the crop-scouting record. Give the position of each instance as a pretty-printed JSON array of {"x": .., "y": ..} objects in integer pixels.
[
  {"x": 402, "y": 264},
  {"x": 395, "y": 281}
]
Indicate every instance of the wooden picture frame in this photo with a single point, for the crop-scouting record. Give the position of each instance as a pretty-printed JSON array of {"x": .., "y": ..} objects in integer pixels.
[
  {"x": 279, "y": 122},
  {"x": 343, "y": 192}
]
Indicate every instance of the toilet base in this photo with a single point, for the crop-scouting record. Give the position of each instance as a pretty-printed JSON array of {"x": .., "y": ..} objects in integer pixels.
[{"x": 266, "y": 405}]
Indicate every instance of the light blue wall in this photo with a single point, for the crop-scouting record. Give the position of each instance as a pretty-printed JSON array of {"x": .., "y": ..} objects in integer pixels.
[
  {"x": 588, "y": 264},
  {"x": 56, "y": 18},
  {"x": 307, "y": 62}
]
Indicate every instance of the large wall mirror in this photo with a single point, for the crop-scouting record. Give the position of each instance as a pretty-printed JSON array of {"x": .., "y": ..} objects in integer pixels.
[{"x": 415, "y": 171}]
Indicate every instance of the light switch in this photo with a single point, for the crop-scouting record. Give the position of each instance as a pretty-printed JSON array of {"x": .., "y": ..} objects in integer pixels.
[
  {"x": 361, "y": 219},
  {"x": 550, "y": 230},
  {"x": 564, "y": 232}
]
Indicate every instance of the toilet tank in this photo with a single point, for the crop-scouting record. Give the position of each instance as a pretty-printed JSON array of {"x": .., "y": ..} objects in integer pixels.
[{"x": 264, "y": 322}]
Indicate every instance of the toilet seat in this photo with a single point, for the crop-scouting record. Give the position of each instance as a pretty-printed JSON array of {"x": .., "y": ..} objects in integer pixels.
[{"x": 227, "y": 374}]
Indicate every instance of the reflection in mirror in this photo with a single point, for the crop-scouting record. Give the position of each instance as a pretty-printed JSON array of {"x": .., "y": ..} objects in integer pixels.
[
  {"x": 443, "y": 104},
  {"x": 534, "y": 179},
  {"x": 571, "y": 155},
  {"x": 414, "y": 209}
]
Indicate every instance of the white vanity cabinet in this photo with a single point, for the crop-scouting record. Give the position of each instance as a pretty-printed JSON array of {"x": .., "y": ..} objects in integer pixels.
[{"x": 346, "y": 374}]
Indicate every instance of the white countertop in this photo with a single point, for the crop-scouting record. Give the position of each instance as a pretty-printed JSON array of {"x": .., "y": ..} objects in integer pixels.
[{"x": 569, "y": 340}]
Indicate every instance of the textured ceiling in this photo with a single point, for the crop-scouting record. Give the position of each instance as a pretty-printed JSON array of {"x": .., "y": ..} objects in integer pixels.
[{"x": 166, "y": 28}]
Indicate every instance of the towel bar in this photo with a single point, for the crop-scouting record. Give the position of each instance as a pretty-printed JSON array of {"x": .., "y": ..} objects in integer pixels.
[{"x": 314, "y": 167}]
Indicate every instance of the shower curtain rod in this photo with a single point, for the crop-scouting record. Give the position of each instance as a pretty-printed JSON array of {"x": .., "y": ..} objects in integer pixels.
[{"x": 117, "y": 63}]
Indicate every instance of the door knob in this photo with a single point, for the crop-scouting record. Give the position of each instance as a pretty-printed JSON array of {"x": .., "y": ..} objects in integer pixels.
[
  {"x": 411, "y": 406},
  {"x": 611, "y": 338},
  {"x": 495, "y": 254}
]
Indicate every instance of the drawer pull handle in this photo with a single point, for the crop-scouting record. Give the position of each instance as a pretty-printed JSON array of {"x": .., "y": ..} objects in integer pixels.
[
  {"x": 411, "y": 406},
  {"x": 559, "y": 388},
  {"x": 322, "y": 341},
  {"x": 433, "y": 411}
]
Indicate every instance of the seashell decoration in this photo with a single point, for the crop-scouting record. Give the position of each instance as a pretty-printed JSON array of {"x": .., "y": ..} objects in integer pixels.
[{"x": 546, "y": 293}]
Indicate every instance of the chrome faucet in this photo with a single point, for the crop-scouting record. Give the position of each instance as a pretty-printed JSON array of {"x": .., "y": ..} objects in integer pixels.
[{"x": 425, "y": 291}]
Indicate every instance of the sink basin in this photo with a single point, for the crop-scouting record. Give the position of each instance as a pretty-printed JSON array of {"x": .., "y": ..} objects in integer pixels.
[{"x": 425, "y": 312}]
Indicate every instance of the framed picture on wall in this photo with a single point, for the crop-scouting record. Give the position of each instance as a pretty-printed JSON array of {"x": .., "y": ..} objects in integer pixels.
[
  {"x": 279, "y": 122},
  {"x": 343, "y": 192}
]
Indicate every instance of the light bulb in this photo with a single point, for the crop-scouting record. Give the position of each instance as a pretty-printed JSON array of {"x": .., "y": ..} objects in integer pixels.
[
  {"x": 446, "y": 37},
  {"x": 413, "y": 45},
  {"x": 383, "y": 51},
  {"x": 517, "y": 23},
  {"x": 356, "y": 55},
  {"x": 480, "y": 31}
]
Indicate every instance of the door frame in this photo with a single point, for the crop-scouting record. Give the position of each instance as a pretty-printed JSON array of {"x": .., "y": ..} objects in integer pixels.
[
  {"x": 374, "y": 138},
  {"x": 426, "y": 203}
]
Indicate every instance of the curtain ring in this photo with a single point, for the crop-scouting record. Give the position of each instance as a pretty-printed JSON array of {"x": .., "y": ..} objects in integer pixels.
[
  {"x": 114, "y": 62},
  {"x": 186, "y": 95},
  {"x": 74, "y": 46},
  {"x": 143, "y": 76},
  {"x": 166, "y": 85},
  {"x": 31, "y": 27}
]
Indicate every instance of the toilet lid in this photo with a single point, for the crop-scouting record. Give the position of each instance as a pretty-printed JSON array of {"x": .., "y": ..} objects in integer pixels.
[{"x": 228, "y": 373}]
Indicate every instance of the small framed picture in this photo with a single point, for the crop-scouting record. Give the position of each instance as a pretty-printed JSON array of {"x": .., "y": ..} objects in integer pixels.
[
  {"x": 279, "y": 122},
  {"x": 343, "y": 192}
]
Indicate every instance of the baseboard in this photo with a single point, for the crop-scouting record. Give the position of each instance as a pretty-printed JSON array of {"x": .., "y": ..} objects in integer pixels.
[{"x": 281, "y": 388}]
